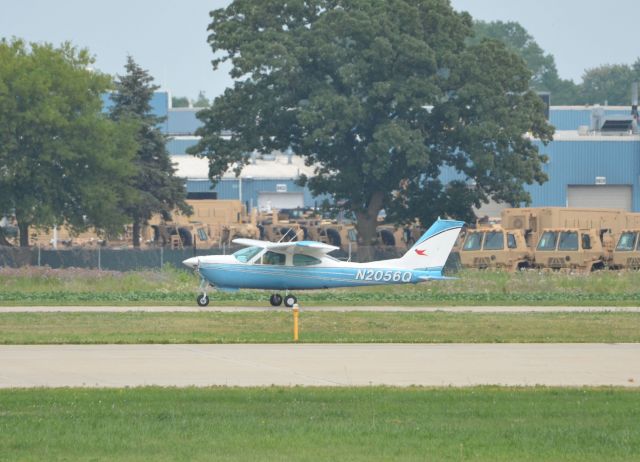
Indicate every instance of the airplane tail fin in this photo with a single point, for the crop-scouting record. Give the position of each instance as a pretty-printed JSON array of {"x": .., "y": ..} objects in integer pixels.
[{"x": 433, "y": 248}]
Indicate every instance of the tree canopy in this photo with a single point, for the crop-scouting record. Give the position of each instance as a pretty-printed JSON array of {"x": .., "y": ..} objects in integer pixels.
[
  {"x": 156, "y": 188},
  {"x": 610, "y": 83},
  {"x": 61, "y": 160},
  {"x": 179, "y": 101},
  {"x": 202, "y": 100},
  {"x": 542, "y": 65},
  {"x": 379, "y": 96}
]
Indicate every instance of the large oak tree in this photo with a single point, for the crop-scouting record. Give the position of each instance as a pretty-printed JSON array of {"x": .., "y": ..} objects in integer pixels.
[{"x": 379, "y": 95}]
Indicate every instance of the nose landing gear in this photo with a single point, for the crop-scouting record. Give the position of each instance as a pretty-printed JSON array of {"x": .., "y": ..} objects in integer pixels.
[
  {"x": 275, "y": 300},
  {"x": 290, "y": 300},
  {"x": 203, "y": 298}
]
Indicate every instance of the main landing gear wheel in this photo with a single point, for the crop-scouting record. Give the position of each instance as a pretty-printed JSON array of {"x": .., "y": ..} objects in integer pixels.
[
  {"x": 290, "y": 300},
  {"x": 275, "y": 300},
  {"x": 203, "y": 300}
]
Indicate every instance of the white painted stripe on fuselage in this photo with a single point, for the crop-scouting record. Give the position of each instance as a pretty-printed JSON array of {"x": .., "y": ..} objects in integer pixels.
[{"x": 322, "y": 276}]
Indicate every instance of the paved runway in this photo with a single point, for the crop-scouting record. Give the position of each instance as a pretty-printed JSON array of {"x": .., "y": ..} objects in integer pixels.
[
  {"x": 320, "y": 364},
  {"x": 233, "y": 309}
]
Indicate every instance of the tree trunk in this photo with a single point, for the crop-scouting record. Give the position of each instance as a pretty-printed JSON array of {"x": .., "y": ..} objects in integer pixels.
[
  {"x": 3, "y": 240},
  {"x": 23, "y": 229},
  {"x": 367, "y": 228},
  {"x": 136, "y": 232}
]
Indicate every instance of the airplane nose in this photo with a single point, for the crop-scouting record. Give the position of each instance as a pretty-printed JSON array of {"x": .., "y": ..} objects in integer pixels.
[{"x": 190, "y": 262}]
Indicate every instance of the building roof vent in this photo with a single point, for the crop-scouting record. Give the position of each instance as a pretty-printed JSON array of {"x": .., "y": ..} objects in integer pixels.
[{"x": 617, "y": 125}]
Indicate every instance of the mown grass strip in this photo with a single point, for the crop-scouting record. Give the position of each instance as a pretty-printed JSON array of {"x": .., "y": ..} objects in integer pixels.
[
  {"x": 354, "y": 297},
  {"x": 364, "y": 424},
  {"x": 44, "y": 286},
  {"x": 317, "y": 327}
]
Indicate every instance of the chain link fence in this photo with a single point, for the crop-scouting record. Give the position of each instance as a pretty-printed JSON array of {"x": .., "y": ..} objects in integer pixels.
[{"x": 135, "y": 259}]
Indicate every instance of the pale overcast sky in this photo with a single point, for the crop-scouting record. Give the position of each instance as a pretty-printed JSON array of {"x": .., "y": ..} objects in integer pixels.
[{"x": 169, "y": 37}]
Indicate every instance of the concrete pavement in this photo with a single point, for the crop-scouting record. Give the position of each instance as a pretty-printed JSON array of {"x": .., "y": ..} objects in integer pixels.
[{"x": 320, "y": 364}]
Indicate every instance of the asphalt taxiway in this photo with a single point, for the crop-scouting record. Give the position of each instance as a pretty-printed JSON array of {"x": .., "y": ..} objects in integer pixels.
[{"x": 320, "y": 365}]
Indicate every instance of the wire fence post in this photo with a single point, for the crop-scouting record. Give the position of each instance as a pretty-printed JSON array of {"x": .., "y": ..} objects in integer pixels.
[
  {"x": 161, "y": 257},
  {"x": 99, "y": 259},
  {"x": 38, "y": 254}
]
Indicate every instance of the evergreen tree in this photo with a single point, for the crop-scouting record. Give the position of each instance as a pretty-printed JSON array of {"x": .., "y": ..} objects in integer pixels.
[{"x": 157, "y": 190}]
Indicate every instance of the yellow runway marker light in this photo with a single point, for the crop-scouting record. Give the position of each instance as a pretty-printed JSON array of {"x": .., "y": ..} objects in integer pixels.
[{"x": 296, "y": 313}]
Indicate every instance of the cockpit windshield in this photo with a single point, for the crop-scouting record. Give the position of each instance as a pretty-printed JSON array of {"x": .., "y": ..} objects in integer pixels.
[{"x": 246, "y": 254}]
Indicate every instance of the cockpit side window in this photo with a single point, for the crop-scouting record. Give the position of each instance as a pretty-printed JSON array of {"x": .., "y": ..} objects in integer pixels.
[{"x": 272, "y": 258}]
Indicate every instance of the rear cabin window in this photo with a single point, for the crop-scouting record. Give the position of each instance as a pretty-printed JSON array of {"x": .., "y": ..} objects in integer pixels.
[
  {"x": 511, "y": 241},
  {"x": 568, "y": 240},
  {"x": 304, "y": 260},
  {"x": 548, "y": 241},
  {"x": 473, "y": 242},
  {"x": 627, "y": 242},
  {"x": 494, "y": 240}
]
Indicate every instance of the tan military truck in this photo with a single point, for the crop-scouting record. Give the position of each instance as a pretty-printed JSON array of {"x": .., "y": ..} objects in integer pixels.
[
  {"x": 626, "y": 254},
  {"x": 571, "y": 249},
  {"x": 273, "y": 229},
  {"x": 495, "y": 247},
  {"x": 532, "y": 220}
]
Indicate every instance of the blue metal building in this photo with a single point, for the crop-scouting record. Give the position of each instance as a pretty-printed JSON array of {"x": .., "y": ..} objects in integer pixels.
[
  {"x": 590, "y": 165},
  {"x": 587, "y": 167}
]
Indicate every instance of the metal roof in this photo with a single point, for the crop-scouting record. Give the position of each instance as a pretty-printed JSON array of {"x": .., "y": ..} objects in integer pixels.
[{"x": 195, "y": 168}]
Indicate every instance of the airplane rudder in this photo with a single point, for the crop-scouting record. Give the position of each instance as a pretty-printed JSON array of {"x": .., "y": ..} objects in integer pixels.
[{"x": 438, "y": 227}]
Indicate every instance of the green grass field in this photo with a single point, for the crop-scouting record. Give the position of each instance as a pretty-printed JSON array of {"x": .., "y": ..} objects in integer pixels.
[
  {"x": 276, "y": 327},
  {"x": 474, "y": 424},
  {"x": 32, "y": 286}
]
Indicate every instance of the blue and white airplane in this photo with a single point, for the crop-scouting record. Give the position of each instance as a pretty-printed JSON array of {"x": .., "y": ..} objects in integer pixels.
[{"x": 304, "y": 265}]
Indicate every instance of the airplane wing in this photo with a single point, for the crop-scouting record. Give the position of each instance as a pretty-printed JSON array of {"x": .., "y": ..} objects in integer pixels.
[{"x": 307, "y": 247}]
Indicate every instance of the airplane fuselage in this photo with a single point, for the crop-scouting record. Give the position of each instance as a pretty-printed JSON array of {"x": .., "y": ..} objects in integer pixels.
[{"x": 232, "y": 275}]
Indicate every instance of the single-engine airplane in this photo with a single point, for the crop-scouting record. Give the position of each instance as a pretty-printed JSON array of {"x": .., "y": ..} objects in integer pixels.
[{"x": 304, "y": 265}]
